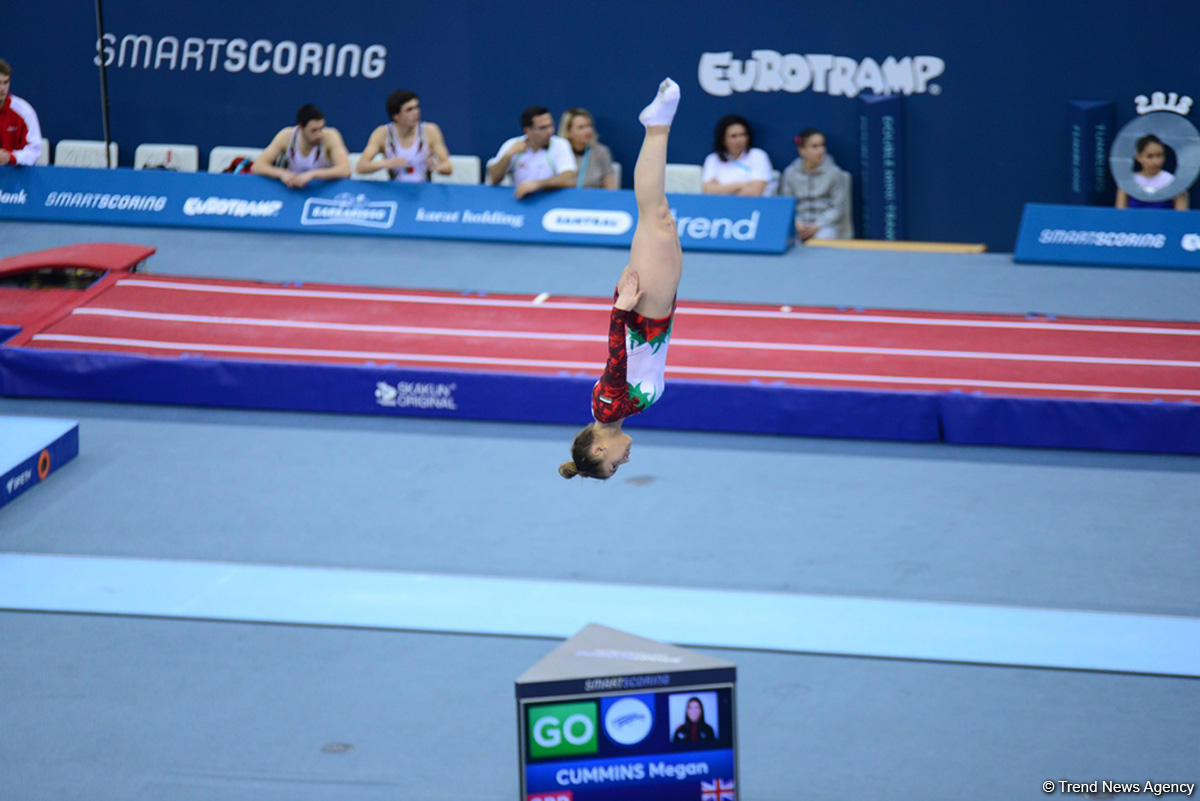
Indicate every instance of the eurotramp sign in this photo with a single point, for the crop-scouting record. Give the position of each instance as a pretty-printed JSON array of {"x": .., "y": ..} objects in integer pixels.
[{"x": 438, "y": 211}]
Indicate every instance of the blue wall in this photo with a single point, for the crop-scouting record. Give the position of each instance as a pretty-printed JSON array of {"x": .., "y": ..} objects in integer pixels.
[{"x": 986, "y": 135}]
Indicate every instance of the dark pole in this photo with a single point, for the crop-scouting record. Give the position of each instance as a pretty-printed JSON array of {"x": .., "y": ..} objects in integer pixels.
[{"x": 103, "y": 80}]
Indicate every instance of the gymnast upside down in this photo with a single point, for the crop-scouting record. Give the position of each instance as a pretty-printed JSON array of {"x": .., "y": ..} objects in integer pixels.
[{"x": 643, "y": 309}]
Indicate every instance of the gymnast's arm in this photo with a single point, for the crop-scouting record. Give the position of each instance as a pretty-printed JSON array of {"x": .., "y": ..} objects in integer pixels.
[
  {"x": 375, "y": 146},
  {"x": 265, "y": 163},
  {"x": 441, "y": 154},
  {"x": 611, "y": 396},
  {"x": 339, "y": 158}
]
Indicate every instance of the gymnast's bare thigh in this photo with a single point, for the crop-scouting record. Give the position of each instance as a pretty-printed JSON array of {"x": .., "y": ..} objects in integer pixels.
[{"x": 658, "y": 260}]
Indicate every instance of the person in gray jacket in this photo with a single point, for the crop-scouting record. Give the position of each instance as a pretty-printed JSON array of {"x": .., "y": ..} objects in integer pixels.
[{"x": 819, "y": 187}]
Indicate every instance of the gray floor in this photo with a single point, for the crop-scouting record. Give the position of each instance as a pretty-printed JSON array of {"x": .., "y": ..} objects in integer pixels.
[{"x": 122, "y": 708}]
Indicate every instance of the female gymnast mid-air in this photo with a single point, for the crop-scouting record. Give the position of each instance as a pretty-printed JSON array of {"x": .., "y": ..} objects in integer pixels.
[{"x": 640, "y": 323}]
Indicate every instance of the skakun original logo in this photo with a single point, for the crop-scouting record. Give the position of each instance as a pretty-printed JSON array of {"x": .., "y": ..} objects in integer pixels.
[
  {"x": 416, "y": 394},
  {"x": 231, "y": 207},
  {"x": 349, "y": 209},
  {"x": 771, "y": 71}
]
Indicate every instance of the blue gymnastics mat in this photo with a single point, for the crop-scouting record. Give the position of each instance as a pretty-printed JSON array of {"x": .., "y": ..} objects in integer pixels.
[{"x": 31, "y": 448}]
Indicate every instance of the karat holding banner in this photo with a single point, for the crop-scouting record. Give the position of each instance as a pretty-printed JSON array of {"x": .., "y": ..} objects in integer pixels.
[
  {"x": 437, "y": 211},
  {"x": 608, "y": 716}
]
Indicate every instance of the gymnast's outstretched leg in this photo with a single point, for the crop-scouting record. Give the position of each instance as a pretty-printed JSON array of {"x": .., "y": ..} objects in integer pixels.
[
  {"x": 655, "y": 254},
  {"x": 641, "y": 317}
]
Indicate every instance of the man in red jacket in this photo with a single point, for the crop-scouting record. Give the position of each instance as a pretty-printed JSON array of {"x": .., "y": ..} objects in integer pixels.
[{"x": 20, "y": 134}]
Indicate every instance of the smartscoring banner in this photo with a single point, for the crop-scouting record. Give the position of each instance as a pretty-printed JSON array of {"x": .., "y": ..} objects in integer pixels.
[
  {"x": 1104, "y": 236},
  {"x": 441, "y": 211}
]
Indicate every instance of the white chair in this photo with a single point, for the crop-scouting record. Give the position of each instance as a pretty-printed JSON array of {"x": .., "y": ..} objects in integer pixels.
[
  {"x": 180, "y": 158},
  {"x": 221, "y": 156},
  {"x": 378, "y": 175},
  {"x": 83, "y": 153},
  {"x": 772, "y": 185},
  {"x": 44, "y": 159},
  {"x": 684, "y": 179},
  {"x": 506, "y": 181},
  {"x": 617, "y": 172},
  {"x": 466, "y": 170}
]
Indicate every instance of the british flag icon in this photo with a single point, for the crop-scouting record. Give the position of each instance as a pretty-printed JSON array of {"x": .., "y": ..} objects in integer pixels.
[{"x": 719, "y": 790}]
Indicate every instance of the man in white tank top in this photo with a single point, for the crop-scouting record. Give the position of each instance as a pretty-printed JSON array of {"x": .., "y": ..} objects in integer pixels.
[
  {"x": 538, "y": 159},
  {"x": 411, "y": 149},
  {"x": 309, "y": 149}
]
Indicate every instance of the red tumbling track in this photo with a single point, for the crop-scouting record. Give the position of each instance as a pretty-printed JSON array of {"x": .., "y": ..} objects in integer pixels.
[{"x": 875, "y": 350}]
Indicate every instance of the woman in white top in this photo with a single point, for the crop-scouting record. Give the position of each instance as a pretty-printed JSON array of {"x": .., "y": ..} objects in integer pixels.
[
  {"x": 736, "y": 166},
  {"x": 411, "y": 149}
]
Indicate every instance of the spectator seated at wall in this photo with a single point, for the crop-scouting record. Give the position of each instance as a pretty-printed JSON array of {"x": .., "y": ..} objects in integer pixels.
[
  {"x": 537, "y": 160},
  {"x": 736, "y": 166},
  {"x": 411, "y": 149},
  {"x": 306, "y": 151},
  {"x": 593, "y": 160},
  {"x": 20, "y": 134},
  {"x": 819, "y": 186}
]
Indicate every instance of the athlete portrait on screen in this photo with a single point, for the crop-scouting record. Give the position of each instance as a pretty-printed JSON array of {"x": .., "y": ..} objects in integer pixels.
[{"x": 694, "y": 729}]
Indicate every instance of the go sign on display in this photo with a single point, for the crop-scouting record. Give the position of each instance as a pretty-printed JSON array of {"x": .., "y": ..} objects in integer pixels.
[{"x": 562, "y": 730}]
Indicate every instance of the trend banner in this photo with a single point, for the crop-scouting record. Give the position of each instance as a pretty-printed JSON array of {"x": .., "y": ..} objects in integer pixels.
[
  {"x": 439, "y": 211},
  {"x": 1156, "y": 238}
]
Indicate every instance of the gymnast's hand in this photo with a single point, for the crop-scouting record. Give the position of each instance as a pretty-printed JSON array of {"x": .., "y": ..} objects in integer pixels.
[{"x": 628, "y": 293}]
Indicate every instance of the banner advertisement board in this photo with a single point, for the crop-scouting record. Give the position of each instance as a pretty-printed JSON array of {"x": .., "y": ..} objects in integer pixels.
[
  {"x": 1095, "y": 235},
  {"x": 438, "y": 211}
]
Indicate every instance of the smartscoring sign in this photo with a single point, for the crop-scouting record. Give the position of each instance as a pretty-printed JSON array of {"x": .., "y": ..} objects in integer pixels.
[
  {"x": 439, "y": 211},
  {"x": 1102, "y": 236}
]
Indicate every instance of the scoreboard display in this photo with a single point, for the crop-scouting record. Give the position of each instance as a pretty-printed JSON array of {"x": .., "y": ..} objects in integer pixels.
[{"x": 615, "y": 734}]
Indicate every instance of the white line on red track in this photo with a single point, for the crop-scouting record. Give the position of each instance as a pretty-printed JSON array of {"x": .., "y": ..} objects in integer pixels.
[
  {"x": 678, "y": 342},
  {"x": 490, "y": 361},
  {"x": 844, "y": 317}
]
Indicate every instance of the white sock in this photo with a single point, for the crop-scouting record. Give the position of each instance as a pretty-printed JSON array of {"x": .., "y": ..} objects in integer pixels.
[{"x": 662, "y": 108}]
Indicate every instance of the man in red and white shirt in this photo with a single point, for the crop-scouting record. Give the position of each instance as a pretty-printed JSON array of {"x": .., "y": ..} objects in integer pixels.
[{"x": 20, "y": 134}]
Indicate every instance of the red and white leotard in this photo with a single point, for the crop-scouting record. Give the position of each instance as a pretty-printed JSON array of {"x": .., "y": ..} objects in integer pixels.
[{"x": 637, "y": 361}]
